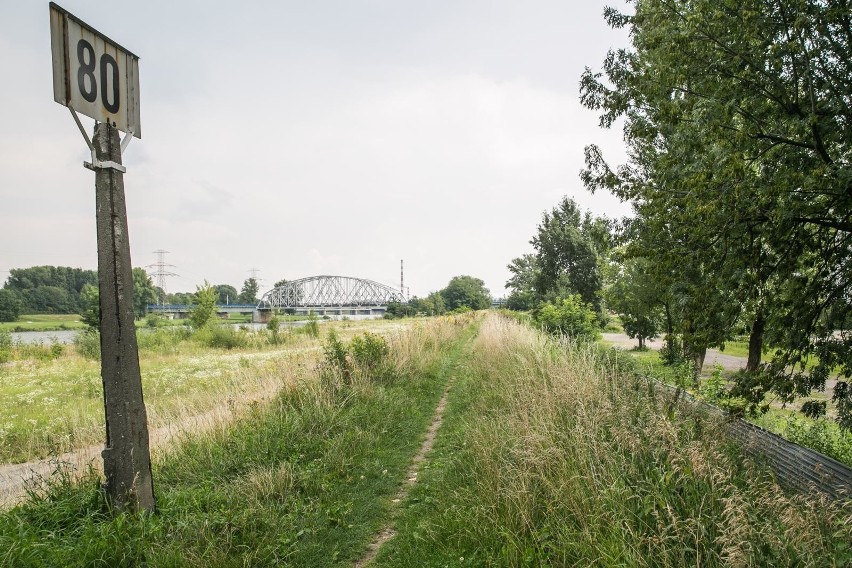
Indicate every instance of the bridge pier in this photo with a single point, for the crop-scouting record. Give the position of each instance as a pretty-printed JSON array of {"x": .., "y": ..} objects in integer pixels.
[{"x": 262, "y": 315}]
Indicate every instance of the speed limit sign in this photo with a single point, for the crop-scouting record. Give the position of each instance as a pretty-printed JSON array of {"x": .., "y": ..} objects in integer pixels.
[{"x": 93, "y": 74}]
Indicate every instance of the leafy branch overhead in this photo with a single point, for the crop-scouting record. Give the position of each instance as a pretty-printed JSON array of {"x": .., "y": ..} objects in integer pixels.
[{"x": 738, "y": 121}]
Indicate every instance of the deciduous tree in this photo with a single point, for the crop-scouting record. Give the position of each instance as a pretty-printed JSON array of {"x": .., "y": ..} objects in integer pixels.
[
  {"x": 144, "y": 292},
  {"x": 248, "y": 294},
  {"x": 204, "y": 307},
  {"x": 10, "y": 305},
  {"x": 738, "y": 120},
  {"x": 466, "y": 291}
]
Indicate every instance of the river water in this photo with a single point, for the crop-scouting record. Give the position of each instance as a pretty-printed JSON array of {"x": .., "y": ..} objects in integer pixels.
[
  {"x": 67, "y": 336},
  {"x": 44, "y": 337}
]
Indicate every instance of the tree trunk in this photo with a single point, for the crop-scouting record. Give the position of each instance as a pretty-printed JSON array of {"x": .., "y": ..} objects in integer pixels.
[
  {"x": 669, "y": 328},
  {"x": 641, "y": 343},
  {"x": 755, "y": 343},
  {"x": 698, "y": 356}
]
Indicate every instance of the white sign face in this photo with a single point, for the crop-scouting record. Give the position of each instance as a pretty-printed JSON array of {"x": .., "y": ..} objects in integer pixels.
[{"x": 92, "y": 74}]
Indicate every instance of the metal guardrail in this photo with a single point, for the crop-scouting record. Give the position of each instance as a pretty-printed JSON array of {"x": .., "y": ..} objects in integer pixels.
[{"x": 795, "y": 467}]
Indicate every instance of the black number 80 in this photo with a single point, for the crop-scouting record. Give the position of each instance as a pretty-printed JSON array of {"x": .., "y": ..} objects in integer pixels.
[{"x": 86, "y": 59}]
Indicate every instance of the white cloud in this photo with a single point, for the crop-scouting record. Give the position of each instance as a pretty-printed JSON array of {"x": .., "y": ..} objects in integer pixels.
[{"x": 302, "y": 144}]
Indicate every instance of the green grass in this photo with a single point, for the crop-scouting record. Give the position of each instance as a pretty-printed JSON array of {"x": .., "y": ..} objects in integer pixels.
[
  {"x": 304, "y": 481},
  {"x": 736, "y": 349},
  {"x": 553, "y": 455},
  {"x": 550, "y": 454},
  {"x": 51, "y": 397},
  {"x": 822, "y": 435},
  {"x": 44, "y": 322}
]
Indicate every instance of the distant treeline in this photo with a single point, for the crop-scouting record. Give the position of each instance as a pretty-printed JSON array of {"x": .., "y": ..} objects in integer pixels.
[
  {"x": 49, "y": 289},
  {"x": 63, "y": 290}
]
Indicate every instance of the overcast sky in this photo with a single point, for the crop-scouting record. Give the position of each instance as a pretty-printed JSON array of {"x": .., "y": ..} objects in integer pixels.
[{"x": 307, "y": 138}]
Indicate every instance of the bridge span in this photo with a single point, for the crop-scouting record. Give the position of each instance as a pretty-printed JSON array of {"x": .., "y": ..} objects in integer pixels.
[
  {"x": 328, "y": 296},
  {"x": 322, "y": 295}
]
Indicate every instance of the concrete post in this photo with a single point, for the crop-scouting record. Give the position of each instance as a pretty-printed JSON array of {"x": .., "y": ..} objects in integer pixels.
[{"x": 127, "y": 457}]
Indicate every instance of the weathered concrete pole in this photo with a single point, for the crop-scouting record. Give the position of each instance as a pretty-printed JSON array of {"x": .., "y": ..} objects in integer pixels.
[{"x": 127, "y": 457}]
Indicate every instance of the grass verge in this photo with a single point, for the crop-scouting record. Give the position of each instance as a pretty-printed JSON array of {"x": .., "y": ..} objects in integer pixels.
[
  {"x": 303, "y": 481},
  {"x": 44, "y": 322}
]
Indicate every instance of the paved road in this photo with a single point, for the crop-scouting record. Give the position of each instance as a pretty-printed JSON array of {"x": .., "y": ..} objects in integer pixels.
[{"x": 714, "y": 356}]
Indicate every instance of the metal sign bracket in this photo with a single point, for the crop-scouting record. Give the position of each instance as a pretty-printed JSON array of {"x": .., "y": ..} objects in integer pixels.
[{"x": 96, "y": 164}]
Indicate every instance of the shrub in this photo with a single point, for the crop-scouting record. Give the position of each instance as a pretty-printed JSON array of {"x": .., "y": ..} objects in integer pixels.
[
  {"x": 88, "y": 344},
  {"x": 154, "y": 321},
  {"x": 569, "y": 316},
  {"x": 204, "y": 310},
  {"x": 366, "y": 357},
  {"x": 5, "y": 345},
  {"x": 38, "y": 351},
  {"x": 221, "y": 337},
  {"x": 671, "y": 353},
  {"x": 312, "y": 327},
  {"x": 273, "y": 327},
  {"x": 161, "y": 340},
  {"x": 91, "y": 303},
  {"x": 337, "y": 362},
  {"x": 460, "y": 310},
  {"x": 370, "y": 353},
  {"x": 713, "y": 388},
  {"x": 820, "y": 435}
]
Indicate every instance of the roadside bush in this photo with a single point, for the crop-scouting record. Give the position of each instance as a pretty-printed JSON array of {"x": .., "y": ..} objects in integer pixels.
[
  {"x": 88, "y": 344},
  {"x": 154, "y": 321},
  {"x": 713, "y": 388},
  {"x": 569, "y": 316},
  {"x": 671, "y": 353},
  {"x": 820, "y": 435}
]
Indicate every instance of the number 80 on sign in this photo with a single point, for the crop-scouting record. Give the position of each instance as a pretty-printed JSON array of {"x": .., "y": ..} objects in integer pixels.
[{"x": 92, "y": 74}]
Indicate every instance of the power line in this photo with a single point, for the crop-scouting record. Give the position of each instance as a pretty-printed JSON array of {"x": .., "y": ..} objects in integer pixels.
[{"x": 160, "y": 272}]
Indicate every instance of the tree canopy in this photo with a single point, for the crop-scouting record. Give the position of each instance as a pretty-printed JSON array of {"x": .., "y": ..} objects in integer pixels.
[
  {"x": 738, "y": 122},
  {"x": 226, "y": 294},
  {"x": 49, "y": 289},
  {"x": 571, "y": 247},
  {"x": 248, "y": 294},
  {"x": 466, "y": 291},
  {"x": 10, "y": 305}
]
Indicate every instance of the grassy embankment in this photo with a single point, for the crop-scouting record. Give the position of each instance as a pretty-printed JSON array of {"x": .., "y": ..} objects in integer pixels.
[
  {"x": 549, "y": 455},
  {"x": 51, "y": 398},
  {"x": 304, "y": 480},
  {"x": 559, "y": 456}
]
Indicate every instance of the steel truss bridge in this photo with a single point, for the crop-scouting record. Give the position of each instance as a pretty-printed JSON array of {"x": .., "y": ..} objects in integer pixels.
[{"x": 330, "y": 295}]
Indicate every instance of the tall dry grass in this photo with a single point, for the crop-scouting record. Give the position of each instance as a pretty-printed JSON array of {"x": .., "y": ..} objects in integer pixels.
[{"x": 563, "y": 458}]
